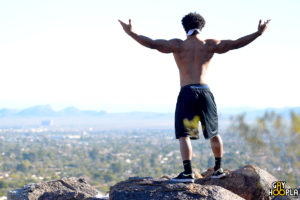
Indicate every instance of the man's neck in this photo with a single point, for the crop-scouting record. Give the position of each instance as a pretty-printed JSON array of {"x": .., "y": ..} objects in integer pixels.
[{"x": 193, "y": 37}]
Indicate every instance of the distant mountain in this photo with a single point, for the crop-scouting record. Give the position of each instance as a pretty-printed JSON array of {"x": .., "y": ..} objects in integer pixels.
[
  {"x": 38, "y": 111},
  {"x": 47, "y": 111},
  {"x": 36, "y": 116},
  {"x": 73, "y": 111},
  {"x": 4, "y": 112}
]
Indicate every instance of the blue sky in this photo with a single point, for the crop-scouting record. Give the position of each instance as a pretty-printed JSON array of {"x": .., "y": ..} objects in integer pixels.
[{"x": 74, "y": 53}]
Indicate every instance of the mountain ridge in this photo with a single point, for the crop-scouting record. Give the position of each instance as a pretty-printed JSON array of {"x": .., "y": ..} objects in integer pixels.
[{"x": 48, "y": 111}]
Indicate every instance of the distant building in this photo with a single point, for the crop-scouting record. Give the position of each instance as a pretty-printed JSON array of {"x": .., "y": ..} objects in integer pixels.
[
  {"x": 47, "y": 123},
  {"x": 74, "y": 136}
]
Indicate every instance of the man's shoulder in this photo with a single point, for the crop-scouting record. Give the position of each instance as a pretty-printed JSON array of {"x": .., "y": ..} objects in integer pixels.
[
  {"x": 212, "y": 44},
  {"x": 176, "y": 40},
  {"x": 176, "y": 44},
  {"x": 211, "y": 41}
]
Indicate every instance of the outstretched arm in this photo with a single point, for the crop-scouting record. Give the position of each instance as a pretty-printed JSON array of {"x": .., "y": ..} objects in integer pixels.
[
  {"x": 164, "y": 46},
  {"x": 222, "y": 46}
]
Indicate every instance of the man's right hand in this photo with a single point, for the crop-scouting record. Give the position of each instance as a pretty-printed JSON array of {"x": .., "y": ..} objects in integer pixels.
[
  {"x": 262, "y": 27},
  {"x": 127, "y": 27}
]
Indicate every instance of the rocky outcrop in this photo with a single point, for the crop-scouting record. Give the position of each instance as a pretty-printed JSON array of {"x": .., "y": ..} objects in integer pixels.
[
  {"x": 152, "y": 189},
  {"x": 64, "y": 189},
  {"x": 249, "y": 182}
]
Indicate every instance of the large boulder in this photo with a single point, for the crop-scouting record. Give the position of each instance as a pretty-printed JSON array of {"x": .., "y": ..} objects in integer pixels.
[
  {"x": 151, "y": 189},
  {"x": 249, "y": 182},
  {"x": 64, "y": 189}
]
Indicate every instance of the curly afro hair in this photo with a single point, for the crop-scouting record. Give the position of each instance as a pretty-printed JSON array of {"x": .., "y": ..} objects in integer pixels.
[{"x": 192, "y": 20}]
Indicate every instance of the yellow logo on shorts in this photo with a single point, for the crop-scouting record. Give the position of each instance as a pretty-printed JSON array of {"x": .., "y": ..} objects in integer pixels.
[{"x": 192, "y": 125}]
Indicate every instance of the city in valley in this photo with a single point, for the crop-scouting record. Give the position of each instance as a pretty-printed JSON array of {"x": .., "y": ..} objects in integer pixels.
[{"x": 107, "y": 148}]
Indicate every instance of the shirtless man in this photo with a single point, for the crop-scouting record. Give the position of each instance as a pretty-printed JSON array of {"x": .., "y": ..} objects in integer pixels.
[{"x": 195, "y": 101}]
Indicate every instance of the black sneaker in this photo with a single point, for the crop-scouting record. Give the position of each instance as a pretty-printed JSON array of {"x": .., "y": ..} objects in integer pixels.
[
  {"x": 218, "y": 174},
  {"x": 183, "y": 178}
]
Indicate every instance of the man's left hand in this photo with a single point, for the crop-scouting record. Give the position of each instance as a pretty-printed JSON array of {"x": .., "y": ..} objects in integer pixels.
[
  {"x": 127, "y": 27},
  {"x": 262, "y": 27}
]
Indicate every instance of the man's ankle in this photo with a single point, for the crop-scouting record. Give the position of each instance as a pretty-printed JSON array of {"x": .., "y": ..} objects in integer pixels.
[
  {"x": 187, "y": 165},
  {"x": 218, "y": 161}
]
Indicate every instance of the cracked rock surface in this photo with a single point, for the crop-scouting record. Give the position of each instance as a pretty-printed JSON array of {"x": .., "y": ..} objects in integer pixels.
[{"x": 63, "y": 189}]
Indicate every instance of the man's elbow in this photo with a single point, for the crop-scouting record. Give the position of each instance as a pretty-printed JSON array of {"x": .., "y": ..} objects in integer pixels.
[
  {"x": 164, "y": 51},
  {"x": 223, "y": 50},
  {"x": 225, "y": 46},
  {"x": 160, "y": 48},
  {"x": 151, "y": 45}
]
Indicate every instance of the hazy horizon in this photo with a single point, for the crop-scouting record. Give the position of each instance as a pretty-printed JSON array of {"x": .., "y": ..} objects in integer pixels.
[{"x": 155, "y": 110}]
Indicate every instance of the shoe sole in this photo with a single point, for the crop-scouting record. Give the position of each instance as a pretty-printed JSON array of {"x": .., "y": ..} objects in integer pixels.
[
  {"x": 182, "y": 180},
  {"x": 219, "y": 176}
]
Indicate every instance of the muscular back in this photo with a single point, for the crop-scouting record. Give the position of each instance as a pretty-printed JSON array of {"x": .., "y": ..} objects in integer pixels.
[
  {"x": 192, "y": 55},
  {"x": 192, "y": 60}
]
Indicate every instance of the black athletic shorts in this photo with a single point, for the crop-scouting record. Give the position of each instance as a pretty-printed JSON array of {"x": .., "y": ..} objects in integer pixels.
[{"x": 196, "y": 102}]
